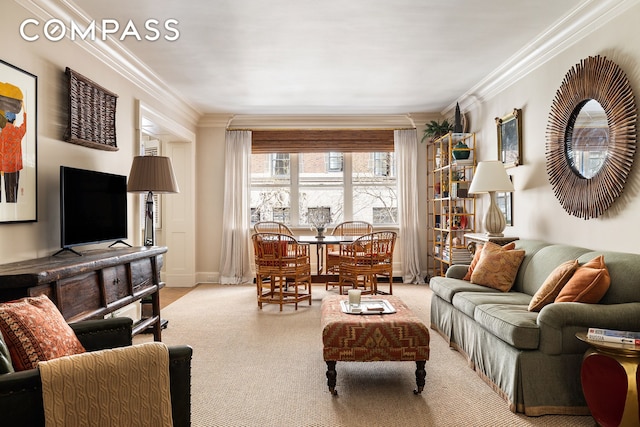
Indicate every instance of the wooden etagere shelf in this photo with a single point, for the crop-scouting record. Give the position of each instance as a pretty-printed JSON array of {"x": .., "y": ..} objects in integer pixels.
[{"x": 452, "y": 210}]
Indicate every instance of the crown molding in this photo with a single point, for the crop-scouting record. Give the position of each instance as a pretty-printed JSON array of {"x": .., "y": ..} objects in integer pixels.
[
  {"x": 156, "y": 123},
  {"x": 215, "y": 120},
  {"x": 423, "y": 118},
  {"x": 383, "y": 121},
  {"x": 114, "y": 55},
  {"x": 580, "y": 22}
]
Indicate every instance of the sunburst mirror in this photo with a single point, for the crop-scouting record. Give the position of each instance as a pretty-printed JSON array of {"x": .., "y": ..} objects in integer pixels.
[{"x": 591, "y": 137}]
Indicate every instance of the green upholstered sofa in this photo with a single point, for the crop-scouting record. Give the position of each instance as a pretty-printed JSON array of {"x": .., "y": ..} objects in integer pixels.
[
  {"x": 533, "y": 359},
  {"x": 21, "y": 392}
]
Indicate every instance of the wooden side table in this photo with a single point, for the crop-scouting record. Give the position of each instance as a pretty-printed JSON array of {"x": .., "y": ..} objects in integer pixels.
[
  {"x": 481, "y": 238},
  {"x": 609, "y": 377}
]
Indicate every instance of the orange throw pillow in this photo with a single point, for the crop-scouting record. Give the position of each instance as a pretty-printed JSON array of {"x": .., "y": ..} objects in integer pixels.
[
  {"x": 474, "y": 262},
  {"x": 35, "y": 330},
  {"x": 497, "y": 267},
  {"x": 588, "y": 284},
  {"x": 478, "y": 254},
  {"x": 553, "y": 284}
]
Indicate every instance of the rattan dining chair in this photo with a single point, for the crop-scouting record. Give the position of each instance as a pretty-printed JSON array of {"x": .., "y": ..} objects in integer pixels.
[
  {"x": 272, "y": 227},
  {"x": 364, "y": 260},
  {"x": 347, "y": 228},
  {"x": 283, "y": 269}
]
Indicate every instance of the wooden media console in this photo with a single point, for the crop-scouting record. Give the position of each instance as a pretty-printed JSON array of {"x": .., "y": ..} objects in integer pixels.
[{"x": 92, "y": 285}]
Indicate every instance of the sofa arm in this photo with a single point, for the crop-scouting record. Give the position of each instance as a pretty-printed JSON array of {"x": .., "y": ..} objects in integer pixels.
[
  {"x": 104, "y": 333},
  {"x": 21, "y": 393},
  {"x": 457, "y": 271},
  {"x": 21, "y": 398},
  {"x": 559, "y": 322}
]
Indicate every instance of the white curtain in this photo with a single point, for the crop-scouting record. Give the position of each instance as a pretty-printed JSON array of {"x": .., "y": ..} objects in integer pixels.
[
  {"x": 235, "y": 261},
  {"x": 406, "y": 148}
]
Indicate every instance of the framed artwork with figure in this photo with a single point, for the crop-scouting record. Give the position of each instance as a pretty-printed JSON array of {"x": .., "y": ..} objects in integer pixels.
[
  {"x": 510, "y": 138},
  {"x": 18, "y": 143}
]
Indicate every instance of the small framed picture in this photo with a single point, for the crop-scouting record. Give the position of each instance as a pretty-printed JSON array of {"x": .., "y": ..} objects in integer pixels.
[
  {"x": 18, "y": 141},
  {"x": 509, "y": 130}
]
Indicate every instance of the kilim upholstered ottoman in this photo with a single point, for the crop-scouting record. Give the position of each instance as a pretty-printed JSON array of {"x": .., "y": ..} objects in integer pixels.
[{"x": 398, "y": 336}]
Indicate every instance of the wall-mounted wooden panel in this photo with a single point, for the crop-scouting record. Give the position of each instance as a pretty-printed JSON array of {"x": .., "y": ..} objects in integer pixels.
[{"x": 92, "y": 113}]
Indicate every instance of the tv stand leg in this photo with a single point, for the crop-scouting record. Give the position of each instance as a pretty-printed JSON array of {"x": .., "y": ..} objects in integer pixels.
[
  {"x": 67, "y": 249},
  {"x": 119, "y": 241}
]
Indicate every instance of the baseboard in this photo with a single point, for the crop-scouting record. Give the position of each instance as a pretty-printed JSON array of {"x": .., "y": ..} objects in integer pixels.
[
  {"x": 178, "y": 280},
  {"x": 208, "y": 277}
]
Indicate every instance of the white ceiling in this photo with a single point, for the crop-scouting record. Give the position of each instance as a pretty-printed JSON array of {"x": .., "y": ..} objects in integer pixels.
[{"x": 331, "y": 56}]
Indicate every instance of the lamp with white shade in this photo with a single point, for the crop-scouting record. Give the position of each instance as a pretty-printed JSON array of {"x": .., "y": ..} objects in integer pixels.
[
  {"x": 151, "y": 174},
  {"x": 491, "y": 177}
]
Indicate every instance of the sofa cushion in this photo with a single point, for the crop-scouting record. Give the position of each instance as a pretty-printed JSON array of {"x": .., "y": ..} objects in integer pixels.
[
  {"x": 474, "y": 262},
  {"x": 588, "y": 284},
  {"x": 478, "y": 254},
  {"x": 624, "y": 271},
  {"x": 35, "y": 330},
  {"x": 468, "y": 301},
  {"x": 446, "y": 287},
  {"x": 553, "y": 285},
  {"x": 497, "y": 267},
  {"x": 514, "y": 324}
]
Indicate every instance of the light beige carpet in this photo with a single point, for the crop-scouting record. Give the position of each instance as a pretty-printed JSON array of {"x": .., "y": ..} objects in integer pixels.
[{"x": 264, "y": 367}]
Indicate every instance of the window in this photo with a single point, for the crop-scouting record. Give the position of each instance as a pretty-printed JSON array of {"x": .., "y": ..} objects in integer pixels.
[
  {"x": 351, "y": 186},
  {"x": 374, "y": 187},
  {"x": 281, "y": 215},
  {"x": 335, "y": 162},
  {"x": 255, "y": 216},
  {"x": 280, "y": 162},
  {"x": 382, "y": 164}
]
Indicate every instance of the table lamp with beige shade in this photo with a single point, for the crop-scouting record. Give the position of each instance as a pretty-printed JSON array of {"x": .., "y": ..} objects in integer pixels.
[{"x": 491, "y": 177}]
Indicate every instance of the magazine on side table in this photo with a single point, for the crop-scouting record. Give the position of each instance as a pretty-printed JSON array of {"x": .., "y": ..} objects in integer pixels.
[{"x": 369, "y": 306}]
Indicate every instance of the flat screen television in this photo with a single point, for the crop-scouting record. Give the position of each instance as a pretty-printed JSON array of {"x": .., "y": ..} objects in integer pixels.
[{"x": 93, "y": 207}]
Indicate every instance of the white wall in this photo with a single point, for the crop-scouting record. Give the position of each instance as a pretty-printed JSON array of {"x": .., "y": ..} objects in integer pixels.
[
  {"x": 47, "y": 60},
  {"x": 537, "y": 213},
  {"x": 210, "y": 193}
]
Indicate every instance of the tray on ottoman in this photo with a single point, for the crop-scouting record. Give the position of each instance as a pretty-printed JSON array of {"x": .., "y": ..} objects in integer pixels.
[{"x": 369, "y": 306}]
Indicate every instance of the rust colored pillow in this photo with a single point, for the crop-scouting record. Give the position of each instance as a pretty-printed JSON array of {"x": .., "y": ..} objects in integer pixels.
[
  {"x": 497, "y": 267},
  {"x": 35, "y": 330},
  {"x": 553, "y": 284},
  {"x": 478, "y": 254},
  {"x": 588, "y": 284}
]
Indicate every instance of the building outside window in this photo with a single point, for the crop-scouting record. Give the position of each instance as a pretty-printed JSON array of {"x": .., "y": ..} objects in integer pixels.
[
  {"x": 335, "y": 162},
  {"x": 281, "y": 163},
  {"x": 281, "y": 215},
  {"x": 355, "y": 186},
  {"x": 382, "y": 164}
]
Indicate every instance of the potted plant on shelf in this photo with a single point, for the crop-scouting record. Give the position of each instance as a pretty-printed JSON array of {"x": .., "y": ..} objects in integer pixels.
[{"x": 436, "y": 129}]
